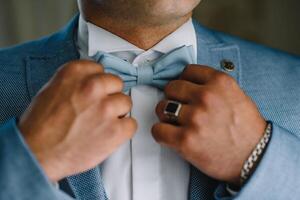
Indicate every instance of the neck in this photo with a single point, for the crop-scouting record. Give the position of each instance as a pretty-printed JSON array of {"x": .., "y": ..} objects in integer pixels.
[{"x": 142, "y": 35}]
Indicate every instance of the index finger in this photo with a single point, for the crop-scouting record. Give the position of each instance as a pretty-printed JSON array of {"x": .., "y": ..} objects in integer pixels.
[
  {"x": 198, "y": 74},
  {"x": 108, "y": 83}
]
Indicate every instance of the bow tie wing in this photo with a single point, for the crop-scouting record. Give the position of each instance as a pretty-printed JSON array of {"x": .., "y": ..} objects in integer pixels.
[
  {"x": 170, "y": 66},
  {"x": 119, "y": 67}
]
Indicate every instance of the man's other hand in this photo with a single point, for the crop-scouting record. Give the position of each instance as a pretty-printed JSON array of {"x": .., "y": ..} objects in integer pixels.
[
  {"x": 77, "y": 119},
  {"x": 218, "y": 125}
]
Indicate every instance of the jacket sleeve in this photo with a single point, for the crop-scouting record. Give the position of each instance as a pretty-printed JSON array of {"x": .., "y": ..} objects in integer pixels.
[
  {"x": 277, "y": 176},
  {"x": 21, "y": 177}
]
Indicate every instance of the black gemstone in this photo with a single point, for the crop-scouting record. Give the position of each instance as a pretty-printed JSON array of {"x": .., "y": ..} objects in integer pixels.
[{"x": 171, "y": 107}]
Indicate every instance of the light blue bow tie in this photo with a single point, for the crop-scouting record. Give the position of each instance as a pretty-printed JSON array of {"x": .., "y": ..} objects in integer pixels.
[{"x": 157, "y": 74}]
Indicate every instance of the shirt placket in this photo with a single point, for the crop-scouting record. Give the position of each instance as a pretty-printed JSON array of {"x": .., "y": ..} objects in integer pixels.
[{"x": 144, "y": 150}]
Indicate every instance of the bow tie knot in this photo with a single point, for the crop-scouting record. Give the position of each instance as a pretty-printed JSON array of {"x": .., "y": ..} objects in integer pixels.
[
  {"x": 158, "y": 74},
  {"x": 145, "y": 75}
]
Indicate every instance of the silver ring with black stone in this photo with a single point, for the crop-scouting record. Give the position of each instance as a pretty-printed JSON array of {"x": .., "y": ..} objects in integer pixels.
[{"x": 172, "y": 110}]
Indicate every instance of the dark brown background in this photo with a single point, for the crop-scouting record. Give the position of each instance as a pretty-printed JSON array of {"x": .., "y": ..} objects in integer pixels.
[{"x": 271, "y": 22}]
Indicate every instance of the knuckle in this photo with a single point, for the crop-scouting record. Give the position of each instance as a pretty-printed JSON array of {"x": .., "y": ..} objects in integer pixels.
[
  {"x": 106, "y": 80},
  {"x": 192, "y": 67},
  {"x": 154, "y": 129},
  {"x": 174, "y": 86},
  {"x": 92, "y": 88},
  {"x": 198, "y": 96},
  {"x": 134, "y": 125},
  {"x": 126, "y": 101},
  {"x": 80, "y": 66},
  {"x": 223, "y": 78},
  {"x": 171, "y": 85},
  {"x": 185, "y": 71},
  {"x": 129, "y": 127},
  {"x": 106, "y": 108},
  {"x": 63, "y": 72},
  {"x": 168, "y": 87},
  {"x": 181, "y": 87},
  {"x": 88, "y": 64},
  {"x": 206, "y": 96},
  {"x": 111, "y": 79},
  {"x": 115, "y": 78},
  {"x": 129, "y": 101},
  {"x": 155, "y": 132},
  {"x": 97, "y": 65},
  {"x": 188, "y": 68},
  {"x": 196, "y": 116},
  {"x": 156, "y": 136},
  {"x": 186, "y": 141},
  {"x": 72, "y": 67}
]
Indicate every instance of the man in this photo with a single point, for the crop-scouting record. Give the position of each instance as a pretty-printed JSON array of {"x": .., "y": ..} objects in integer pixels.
[{"x": 87, "y": 123}]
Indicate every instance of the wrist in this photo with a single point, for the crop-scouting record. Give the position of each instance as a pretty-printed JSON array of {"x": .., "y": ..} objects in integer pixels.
[
  {"x": 53, "y": 166},
  {"x": 49, "y": 158},
  {"x": 252, "y": 161}
]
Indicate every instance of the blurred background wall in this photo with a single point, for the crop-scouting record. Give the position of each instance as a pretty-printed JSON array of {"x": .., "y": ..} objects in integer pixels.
[{"x": 271, "y": 22}]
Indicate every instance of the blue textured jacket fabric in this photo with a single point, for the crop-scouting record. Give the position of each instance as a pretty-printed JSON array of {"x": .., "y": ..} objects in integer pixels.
[{"x": 270, "y": 77}]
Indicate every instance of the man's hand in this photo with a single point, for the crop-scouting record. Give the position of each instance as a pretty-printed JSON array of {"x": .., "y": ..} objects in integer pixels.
[
  {"x": 77, "y": 119},
  {"x": 218, "y": 125}
]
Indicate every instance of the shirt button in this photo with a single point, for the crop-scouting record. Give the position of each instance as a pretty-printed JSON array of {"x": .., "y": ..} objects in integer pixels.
[{"x": 227, "y": 65}]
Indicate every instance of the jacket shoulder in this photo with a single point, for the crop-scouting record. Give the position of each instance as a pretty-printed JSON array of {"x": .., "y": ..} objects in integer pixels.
[
  {"x": 254, "y": 52},
  {"x": 59, "y": 43},
  {"x": 15, "y": 54}
]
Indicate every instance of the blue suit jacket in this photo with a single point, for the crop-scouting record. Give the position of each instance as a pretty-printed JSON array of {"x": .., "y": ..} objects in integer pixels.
[{"x": 270, "y": 77}]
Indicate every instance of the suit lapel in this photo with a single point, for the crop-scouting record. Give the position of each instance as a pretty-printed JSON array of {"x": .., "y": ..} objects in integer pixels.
[
  {"x": 40, "y": 67},
  {"x": 49, "y": 55},
  {"x": 211, "y": 52},
  {"x": 88, "y": 185},
  {"x": 39, "y": 70}
]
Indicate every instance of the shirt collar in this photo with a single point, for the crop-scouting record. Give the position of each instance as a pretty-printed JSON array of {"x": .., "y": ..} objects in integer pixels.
[{"x": 92, "y": 39}]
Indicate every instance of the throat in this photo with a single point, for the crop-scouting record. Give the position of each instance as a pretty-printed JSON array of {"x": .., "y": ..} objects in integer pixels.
[{"x": 144, "y": 36}]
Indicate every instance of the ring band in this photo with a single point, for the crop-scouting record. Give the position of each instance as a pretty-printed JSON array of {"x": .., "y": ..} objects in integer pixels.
[{"x": 172, "y": 110}]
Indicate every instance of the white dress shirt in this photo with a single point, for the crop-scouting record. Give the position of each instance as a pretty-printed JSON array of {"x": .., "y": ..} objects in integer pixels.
[{"x": 141, "y": 169}]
